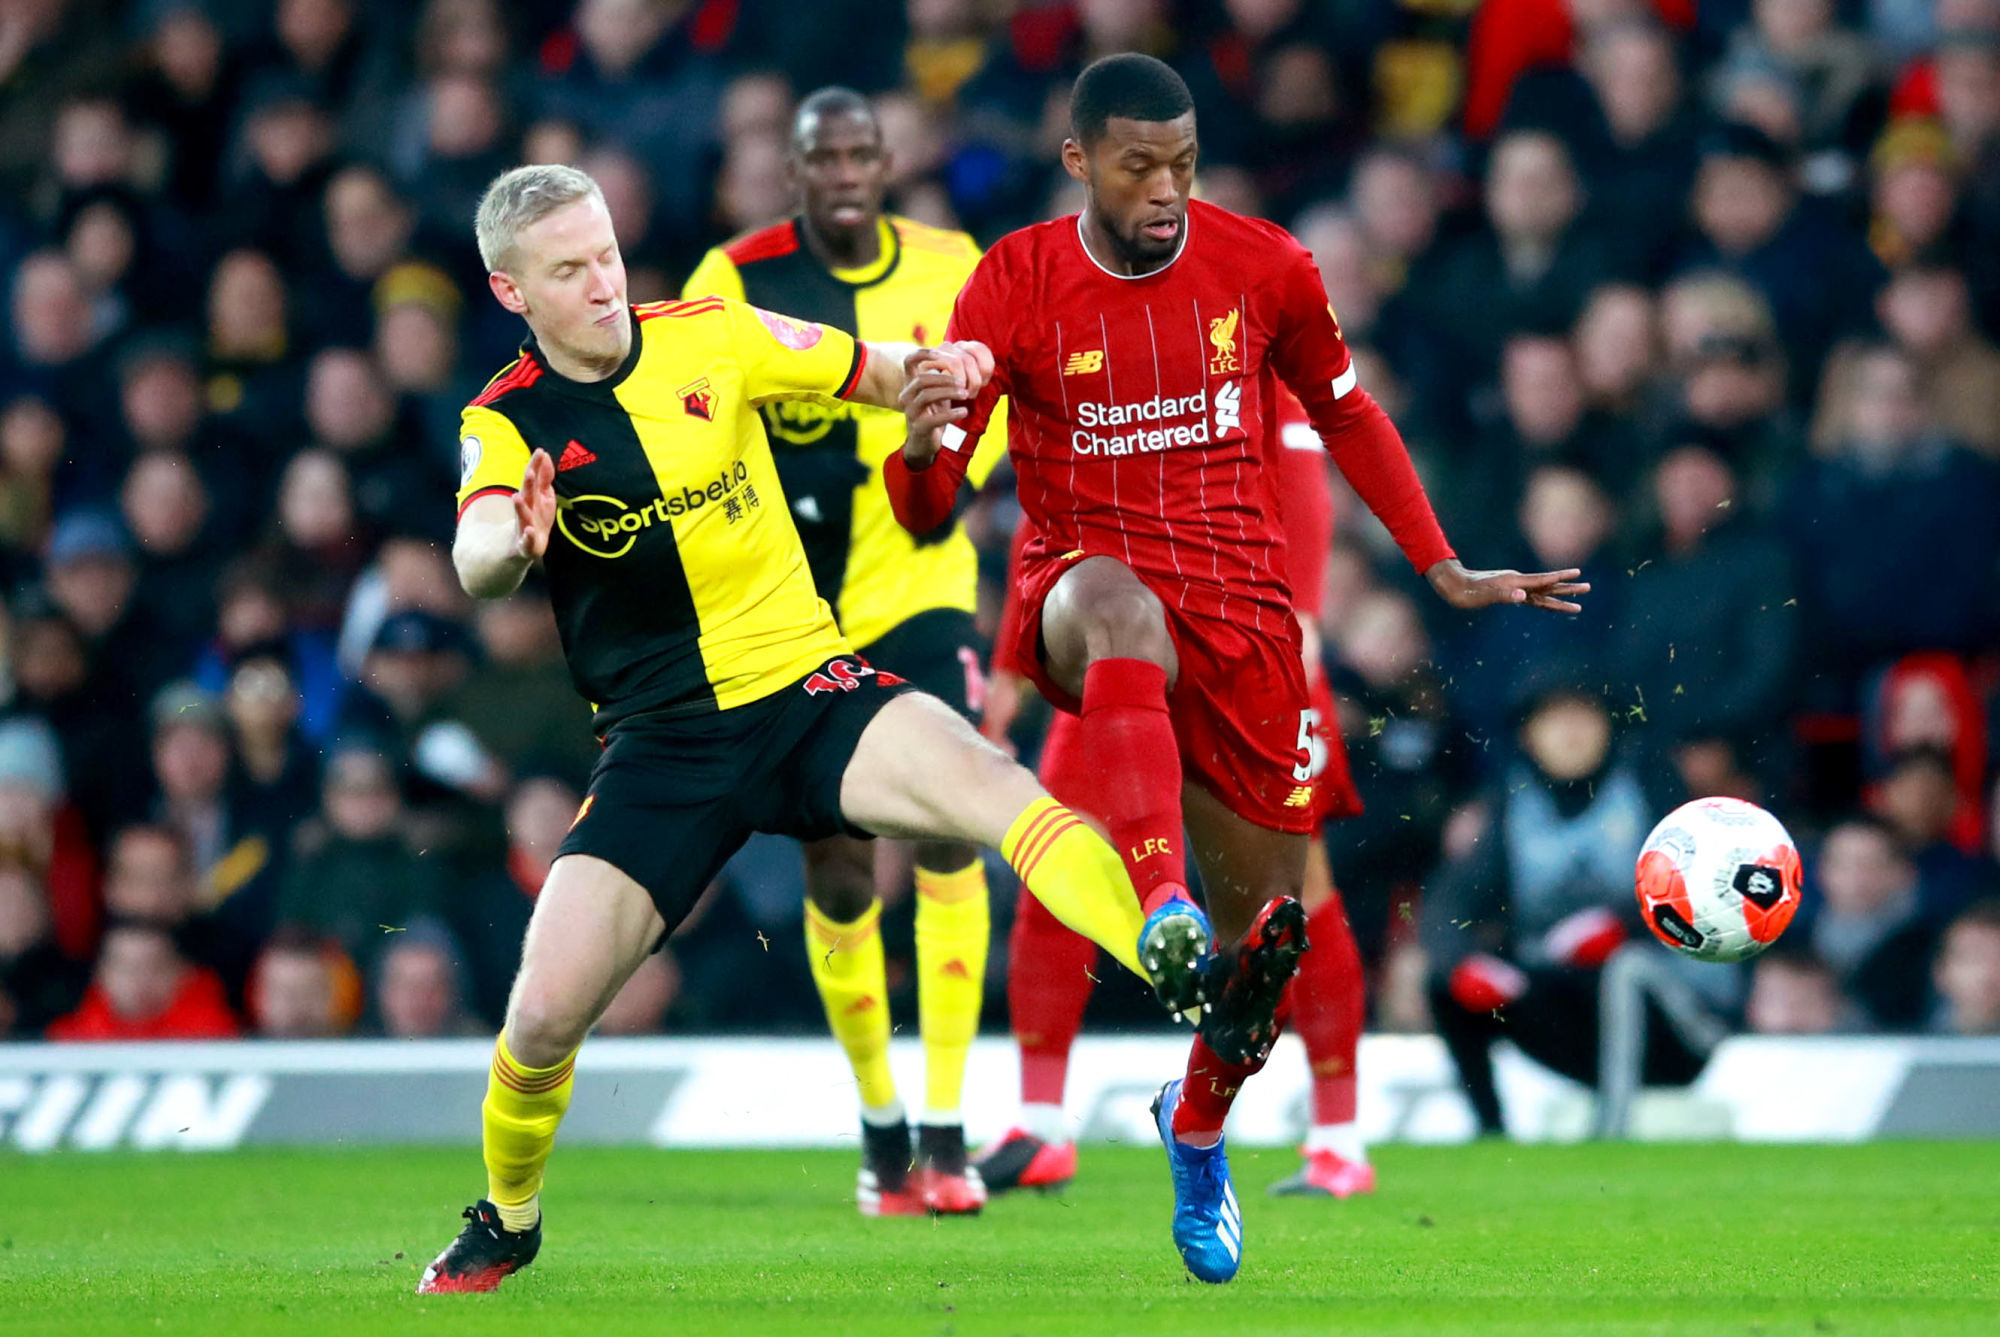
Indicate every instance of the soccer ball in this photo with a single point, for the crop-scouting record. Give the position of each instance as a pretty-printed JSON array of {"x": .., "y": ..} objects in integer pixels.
[{"x": 1719, "y": 879}]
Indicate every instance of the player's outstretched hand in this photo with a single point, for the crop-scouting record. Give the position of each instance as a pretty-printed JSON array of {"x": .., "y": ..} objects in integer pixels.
[
  {"x": 1551, "y": 590},
  {"x": 535, "y": 507}
]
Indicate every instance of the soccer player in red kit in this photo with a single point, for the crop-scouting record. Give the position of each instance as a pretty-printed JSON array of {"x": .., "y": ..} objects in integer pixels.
[
  {"x": 1141, "y": 344},
  {"x": 1049, "y": 968}
]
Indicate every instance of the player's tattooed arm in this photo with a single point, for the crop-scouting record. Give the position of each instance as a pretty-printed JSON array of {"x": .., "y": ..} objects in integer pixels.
[
  {"x": 499, "y": 538},
  {"x": 1481, "y": 589}
]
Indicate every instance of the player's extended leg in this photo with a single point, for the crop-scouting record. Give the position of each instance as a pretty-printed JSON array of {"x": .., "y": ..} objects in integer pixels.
[
  {"x": 591, "y": 927},
  {"x": 1106, "y": 642},
  {"x": 954, "y": 928},
  {"x": 1048, "y": 986},
  {"x": 1328, "y": 1006},
  {"x": 843, "y": 922},
  {"x": 1252, "y": 876},
  {"x": 919, "y": 770}
]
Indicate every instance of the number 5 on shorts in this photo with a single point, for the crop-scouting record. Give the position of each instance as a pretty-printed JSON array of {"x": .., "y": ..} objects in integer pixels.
[{"x": 1312, "y": 745}]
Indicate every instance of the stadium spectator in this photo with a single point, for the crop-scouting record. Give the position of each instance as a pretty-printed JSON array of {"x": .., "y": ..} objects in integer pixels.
[
  {"x": 417, "y": 661},
  {"x": 353, "y": 876},
  {"x": 318, "y": 546},
  {"x": 33, "y": 440},
  {"x": 1793, "y": 992},
  {"x": 1927, "y": 310},
  {"x": 419, "y": 987},
  {"x": 1406, "y": 752},
  {"x": 276, "y": 779},
  {"x": 1869, "y": 926},
  {"x": 144, "y": 989},
  {"x": 1564, "y": 519},
  {"x": 1531, "y": 268},
  {"x": 491, "y": 917},
  {"x": 167, "y": 510},
  {"x": 1918, "y": 797},
  {"x": 351, "y": 412},
  {"x": 38, "y": 983},
  {"x": 1931, "y": 701},
  {"x": 1817, "y": 278},
  {"x": 1526, "y": 934},
  {"x": 1967, "y": 974},
  {"x": 1708, "y": 633},
  {"x": 301, "y": 989},
  {"x": 518, "y": 699},
  {"x": 1802, "y": 39},
  {"x": 642, "y": 1005},
  {"x": 1640, "y": 167},
  {"x": 368, "y": 229},
  {"x": 93, "y": 579},
  {"x": 1931, "y": 510},
  {"x": 251, "y": 376},
  {"x": 1617, "y": 348}
]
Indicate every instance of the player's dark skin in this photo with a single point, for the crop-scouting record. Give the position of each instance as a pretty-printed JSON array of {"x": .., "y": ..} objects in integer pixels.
[
  {"x": 841, "y": 172},
  {"x": 1137, "y": 178}
]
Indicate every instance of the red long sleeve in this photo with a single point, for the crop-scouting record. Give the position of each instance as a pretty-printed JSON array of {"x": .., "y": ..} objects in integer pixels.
[
  {"x": 922, "y": 498},
  {"x": 1371, "y": 456}
]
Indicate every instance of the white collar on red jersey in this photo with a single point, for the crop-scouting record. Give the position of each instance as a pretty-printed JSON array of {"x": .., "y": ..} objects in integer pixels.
[{"x": 1187, "y": 229}]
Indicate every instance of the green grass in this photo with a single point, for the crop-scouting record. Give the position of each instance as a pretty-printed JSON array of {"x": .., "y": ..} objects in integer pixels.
[{"x": 1489, "y": 1239}]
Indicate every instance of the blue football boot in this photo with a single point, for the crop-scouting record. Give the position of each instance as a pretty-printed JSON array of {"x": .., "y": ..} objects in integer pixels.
[{"x": 1208, "y": 1224}]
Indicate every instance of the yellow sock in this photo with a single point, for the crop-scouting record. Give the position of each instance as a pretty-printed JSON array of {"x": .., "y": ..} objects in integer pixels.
[
  {"x": 523, "y": 1106},
  {"x": 954, "y": 923},
  {"x": 847, "y": 967},
  {"x": 1070, "y": 869}
]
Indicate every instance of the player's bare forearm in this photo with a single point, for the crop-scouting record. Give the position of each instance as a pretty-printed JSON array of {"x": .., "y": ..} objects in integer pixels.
[
  {"x": 499, "y": 538},
  {"x": 486, "y": 550},
  {"x": 890, "y": 367}
]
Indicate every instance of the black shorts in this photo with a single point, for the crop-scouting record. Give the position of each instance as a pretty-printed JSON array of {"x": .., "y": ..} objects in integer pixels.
[
  {"x": 937, "y": 651},
  {"x": 672, "y": 799}
]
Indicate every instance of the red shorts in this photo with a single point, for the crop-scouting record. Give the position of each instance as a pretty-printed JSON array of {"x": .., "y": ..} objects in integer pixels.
[{"x": 1251, "y": 730}]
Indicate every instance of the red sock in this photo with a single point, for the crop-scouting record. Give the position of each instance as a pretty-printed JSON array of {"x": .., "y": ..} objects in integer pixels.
[
  {"x": 1329, "y": 1006},
  {"x": 1131, "y": 771},
  {"x": 1211, "y": 1086},
  {"x": 1048, "y": 985},
  {"x": 1048, "y": 979}
]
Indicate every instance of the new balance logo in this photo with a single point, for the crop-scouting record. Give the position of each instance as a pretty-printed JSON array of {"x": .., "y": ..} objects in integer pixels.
[
  {"x": 1300, "y": 797},
  {"x": 575, "y": 455},
  {"x": 1084, "y": 363}
]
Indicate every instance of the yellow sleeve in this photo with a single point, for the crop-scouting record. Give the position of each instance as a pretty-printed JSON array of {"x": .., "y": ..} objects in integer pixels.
[
  {"x": 492, "y": 457},
  {"x": 783, "y": 358},
  {"x": 715, "y": 276}
]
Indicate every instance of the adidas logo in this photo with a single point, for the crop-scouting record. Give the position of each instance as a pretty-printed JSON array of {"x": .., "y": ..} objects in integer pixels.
[
  {"x": 865, "y": 1003},
  {"x": 575, "y": 455},
  {"x": 955, "y": 969}
]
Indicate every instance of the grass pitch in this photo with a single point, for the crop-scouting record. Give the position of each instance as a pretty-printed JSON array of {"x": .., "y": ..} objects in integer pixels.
[{"x": 1489, "y": 1239}]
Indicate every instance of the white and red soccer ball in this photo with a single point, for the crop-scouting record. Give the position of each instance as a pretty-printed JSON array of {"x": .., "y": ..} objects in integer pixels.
[{"x": 1719, "y": 879}]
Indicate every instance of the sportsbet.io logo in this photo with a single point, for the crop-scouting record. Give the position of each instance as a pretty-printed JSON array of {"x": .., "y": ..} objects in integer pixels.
[{"x": 608, "y": 527}]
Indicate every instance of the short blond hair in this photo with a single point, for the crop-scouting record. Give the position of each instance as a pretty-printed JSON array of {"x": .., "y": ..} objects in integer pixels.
[{"x": 520, "y": 198}]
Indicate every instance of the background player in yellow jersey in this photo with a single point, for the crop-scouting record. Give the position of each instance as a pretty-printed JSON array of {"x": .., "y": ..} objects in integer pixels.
[
  {"x": 906, "y": 603},
  {"x": 623, "y": 451}
]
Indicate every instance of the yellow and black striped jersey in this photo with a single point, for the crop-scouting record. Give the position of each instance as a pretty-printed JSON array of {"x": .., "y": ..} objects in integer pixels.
[
  {"x": 677, "y": 576},
  {"x": 875, "y": 573}
]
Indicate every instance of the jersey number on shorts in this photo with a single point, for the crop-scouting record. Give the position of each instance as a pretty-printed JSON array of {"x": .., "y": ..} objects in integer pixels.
[
  {"x": 841, "y": 676},
  {"x": 1312, "y": 745}
]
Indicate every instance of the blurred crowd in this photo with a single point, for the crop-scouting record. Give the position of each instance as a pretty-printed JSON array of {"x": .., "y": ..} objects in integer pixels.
[{"x": 1701, "y": 296}]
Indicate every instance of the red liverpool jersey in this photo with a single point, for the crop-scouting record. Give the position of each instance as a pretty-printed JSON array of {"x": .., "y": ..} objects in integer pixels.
[{"x": 1145, "y": 410}]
